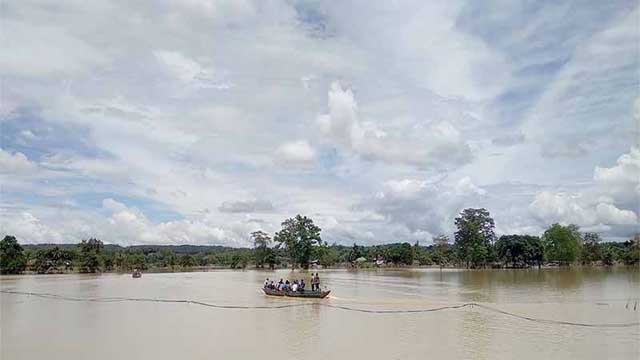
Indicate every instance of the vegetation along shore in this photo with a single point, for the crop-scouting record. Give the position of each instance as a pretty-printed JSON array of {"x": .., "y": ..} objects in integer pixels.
[{"x": 298, "y": 244}]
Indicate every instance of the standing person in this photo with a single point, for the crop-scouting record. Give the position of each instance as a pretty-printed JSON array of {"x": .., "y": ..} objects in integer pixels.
[
  {"x": 313, "y": 282},
  {"x": 317, "y": 282},
  {"x": 266, "y": 283}
]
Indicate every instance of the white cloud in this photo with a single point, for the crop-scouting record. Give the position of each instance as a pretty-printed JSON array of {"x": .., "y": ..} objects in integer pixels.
[
  {"x": 424, "y": 207},
  {"x": 296, "y": 153},
  {"x": 609, "y": 214},
  {"x": 579, "y": 209},
  {"x": 28, "y": 135},
  {"x": 178, "y": 65},
  {"x": 436, "y": 143},
  {"x": 28, "y": 228},
  {"x": 466, "y": 187},
  {"x": 623, "y": 179},
  {"x": 27, "y": 45},
  {"x": 15, "y": 164}
]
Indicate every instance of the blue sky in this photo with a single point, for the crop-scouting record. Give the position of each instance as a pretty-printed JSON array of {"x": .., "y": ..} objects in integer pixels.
[{"x": 202, "y": 121}]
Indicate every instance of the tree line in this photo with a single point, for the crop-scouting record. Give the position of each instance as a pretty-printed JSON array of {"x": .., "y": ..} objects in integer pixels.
[{"x": 299, "y": 244}]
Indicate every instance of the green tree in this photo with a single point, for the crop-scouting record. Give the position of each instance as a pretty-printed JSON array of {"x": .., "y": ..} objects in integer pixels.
[
  {"x": 327, "y": 255},
  {"x": 108, "y": 260},
  {"x": 562, "y": 243},
  {"x": 631, "y": 255},
  {"x": 610, "y": 255},
  {"x": 475, "y": 236},
  {"x": 136, "y": 260},
  {"x": 440, "y": 250},
  {"x": 89, "y": 255},
  {"x": 261, "y": 242},
  {"x": 186, "y": 261},
  {"x": 591, "y": 248},
  {"x": 239, "y": 260},
  {"x": 355, "y": 253},
  {"x": 519, "y": 250},
  {"x": 52, "y": 259},
  {"x": 299, "y": 236},
  {"x": 270, "y": 258},
  {"x": 167, "y": 258},
  {"x": 534, "y": 251},
  {"x": 12, "y": 258},
  {"x": 400, "y": 253}
]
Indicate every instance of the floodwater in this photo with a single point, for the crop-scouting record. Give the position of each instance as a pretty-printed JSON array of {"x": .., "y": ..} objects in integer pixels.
[{"x": 34, "y": 328}]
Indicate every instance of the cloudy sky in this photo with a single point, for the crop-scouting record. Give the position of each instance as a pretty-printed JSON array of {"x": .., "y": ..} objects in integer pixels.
[{"x": 201, "y": 121}]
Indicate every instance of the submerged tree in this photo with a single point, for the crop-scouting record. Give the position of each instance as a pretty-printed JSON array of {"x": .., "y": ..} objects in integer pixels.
[
  {"x": 520, "y": 250},
  {"x": 299, "y": 236},
  {"x": 12, "y": 258},
  {"x": 52, "y": 259},
  {"x": 187, "y": 261},
  {"x": 355, "y": 253},
  {"x": 475, "y": 236},
  {"x": 591, "y": 248},
  {"x": 89, "y": 255},
  {"x": 400, "y": 253},
  {"x": 440, "y": 250},
  {"x": 326, "y": 255},
  {"x": 562, "y": 243},
  {"x": 263, "y": 253}
]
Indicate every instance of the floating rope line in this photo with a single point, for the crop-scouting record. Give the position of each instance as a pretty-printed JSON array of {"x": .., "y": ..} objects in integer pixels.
[{"x": 306, "y": 304}]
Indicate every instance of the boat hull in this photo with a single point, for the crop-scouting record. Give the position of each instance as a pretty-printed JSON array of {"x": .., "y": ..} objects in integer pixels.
[{"x": 298, "y": 294}]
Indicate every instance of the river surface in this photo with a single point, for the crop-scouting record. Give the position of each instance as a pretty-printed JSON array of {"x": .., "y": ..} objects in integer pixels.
[{"x": 33, "y": 327}]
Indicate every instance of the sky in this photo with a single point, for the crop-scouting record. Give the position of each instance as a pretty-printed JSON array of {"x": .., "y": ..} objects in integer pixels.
[{"x": 198, "y": 122}]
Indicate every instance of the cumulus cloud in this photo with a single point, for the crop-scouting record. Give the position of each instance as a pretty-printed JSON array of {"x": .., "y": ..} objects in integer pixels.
[
  {"x": 435, "y": 143},
  {"x": 296, "y": 153},
  {"x": 579, "y": 209},
  {"x": 130, "y": 225},
  {"x": 466, "y": 187},
  {"x": 623, "y": 179},
  {"x": 609, "y": 205},
  {"x": 424, "y": 208},
  {"x": 609, "y": 214},
  {"x": 28, "y": 228}
]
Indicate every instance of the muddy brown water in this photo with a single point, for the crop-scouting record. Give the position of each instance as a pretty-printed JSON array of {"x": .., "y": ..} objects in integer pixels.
[{"x": 33, "y": 327}]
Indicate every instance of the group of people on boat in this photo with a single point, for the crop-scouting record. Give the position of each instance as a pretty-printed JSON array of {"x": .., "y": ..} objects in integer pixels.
[{"x": 293, "y": 286}]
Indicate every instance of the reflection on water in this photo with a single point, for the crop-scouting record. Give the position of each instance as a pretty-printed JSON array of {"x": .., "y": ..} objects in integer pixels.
[{"x": 32, "y": 327}]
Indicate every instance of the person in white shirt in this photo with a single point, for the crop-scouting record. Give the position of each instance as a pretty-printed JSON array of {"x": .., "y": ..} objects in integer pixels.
[{"x": 294, "y": 287}]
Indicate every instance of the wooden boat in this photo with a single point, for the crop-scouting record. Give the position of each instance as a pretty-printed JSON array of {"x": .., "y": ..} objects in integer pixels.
[{"x": 298, "y": 294}]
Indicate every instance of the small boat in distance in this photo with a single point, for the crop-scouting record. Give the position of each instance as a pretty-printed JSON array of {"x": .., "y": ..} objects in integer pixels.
[
  {"x": 299, "y": 294},
  {"x": 136, "y": 274}
]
